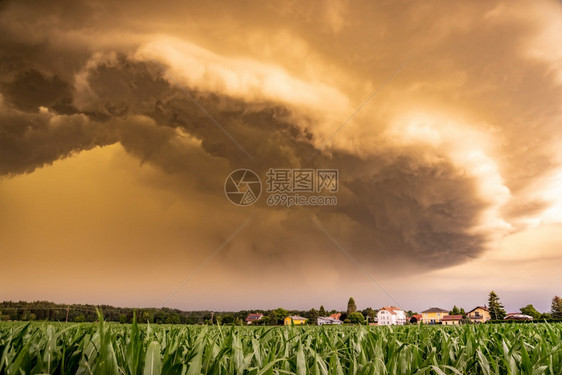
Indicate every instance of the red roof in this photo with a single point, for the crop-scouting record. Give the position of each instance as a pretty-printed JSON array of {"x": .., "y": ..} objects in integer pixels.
[
  {"x": 479, "y": 307},
  {"x": 392, "y": 309},
  {"x": 452, "y": 317},
  {"x": 253, "y": 317},
  {"x": 335, "y": 316}
]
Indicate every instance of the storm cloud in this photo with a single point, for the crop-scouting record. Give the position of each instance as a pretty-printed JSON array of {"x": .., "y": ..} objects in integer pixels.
[{"x": 448, "y": 158}]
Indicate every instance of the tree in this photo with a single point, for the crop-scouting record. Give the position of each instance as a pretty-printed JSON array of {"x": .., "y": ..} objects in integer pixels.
[
  {"x": 556, "y": 308},
  {"x": 227, "y": 319},
  {"x": 454, "y": 311},
  {"x": 173, "y": 319},
  {"x": 462, "y": 312},
  {"x": 280, "y": 314},
  {"x": 369, "y": 313},
  {"x": 322, "y": 311},
  {"x": 147, "y": 317},
  {"x": 351, "y": 306},
  {"x": 531, "y": 311},
  {"x": 272, "y": 319},
  {"x": 495, "y": 307},
  {"x": 312, "y": 316},
  {"x": 264, "y": 321},
  {"x": 356, "y": 317}
]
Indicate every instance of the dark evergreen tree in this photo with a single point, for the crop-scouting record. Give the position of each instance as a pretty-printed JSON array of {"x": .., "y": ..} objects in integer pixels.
[
  {"x": 556, "y": 308},
  {"x": 351, "y": 306},
  {"x": 495, "y": 306}
]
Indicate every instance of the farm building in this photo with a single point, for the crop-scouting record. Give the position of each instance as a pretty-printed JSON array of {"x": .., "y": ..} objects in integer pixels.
[
  {"x": 295, "y": 319},
  {"x": 449, "y": 320},
  {"x": 517, "y": 316},
  {"x": 328, "y": 320}
]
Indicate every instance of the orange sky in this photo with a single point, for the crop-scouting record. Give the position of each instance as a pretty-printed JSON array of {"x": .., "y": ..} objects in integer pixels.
[{"x": 112, "y": 179}]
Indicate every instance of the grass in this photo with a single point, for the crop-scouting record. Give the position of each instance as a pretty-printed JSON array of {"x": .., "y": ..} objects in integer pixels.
[{"x": 102, "y": 348}]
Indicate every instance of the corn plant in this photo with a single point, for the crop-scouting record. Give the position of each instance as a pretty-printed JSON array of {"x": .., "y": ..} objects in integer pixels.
[{"x": 108, "y": 348}]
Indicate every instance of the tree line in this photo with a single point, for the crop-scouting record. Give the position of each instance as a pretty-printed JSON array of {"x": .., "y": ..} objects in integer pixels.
[
  {"x": 497, "y": 310},
  {"x": 45, "y": 310}
]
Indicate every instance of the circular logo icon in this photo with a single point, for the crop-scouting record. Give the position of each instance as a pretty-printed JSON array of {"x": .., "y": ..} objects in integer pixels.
[{"x": 242, "y": 187}]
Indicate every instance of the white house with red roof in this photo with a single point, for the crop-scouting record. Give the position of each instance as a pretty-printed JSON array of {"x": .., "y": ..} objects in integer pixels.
[
  {"x": 253, "y": 318},
  {"x": 391, "y": 315}
]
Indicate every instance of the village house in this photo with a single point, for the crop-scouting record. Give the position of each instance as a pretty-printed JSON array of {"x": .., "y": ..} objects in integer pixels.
[
  {"x": 449, "y": 320},
  {"x": 433, "y": 315},
  {"x": 328, "y": 320},
  {"x": 253, "y": 318},
  {"x": 415, "y": 319},
  {"x": 479, "y": 314},
  {"x": 295, "y": 319},
  {"x": 518, "y": 316},
  {"x": 391, "y": 315}
]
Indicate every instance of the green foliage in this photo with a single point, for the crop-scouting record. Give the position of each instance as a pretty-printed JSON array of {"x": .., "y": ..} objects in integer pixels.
[
  {"x": 109, "y": 348},
  {"x": 457, "y": 311},
  {"x": 278, "y": 315},
  {"x": 531, "y": 311},
  {"x": 556, "y": 307},
  {"x": 495, "y": 307},
  {"x": 356, "y": 317},
  {"x": 351, "y": 306},
  {"x": 262, "y": 322},
  {"x": 369, "y": 314},
  {"x": 312, "y": 316},
  {"x": 44, "y": 310},
  {"x": 227, "y": 319},
  {"x": 322, "y": 311}
]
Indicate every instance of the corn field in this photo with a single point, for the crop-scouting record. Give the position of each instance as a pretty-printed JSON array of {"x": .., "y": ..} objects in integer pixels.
[{"x": 102, "y": 348}]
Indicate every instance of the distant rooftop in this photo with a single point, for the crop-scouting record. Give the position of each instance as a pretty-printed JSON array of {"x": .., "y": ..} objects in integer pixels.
[
  {"x": 434, "y": 310},
  {"x": 452, "y": 317},
  {"x": 296, "y": 317}
]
